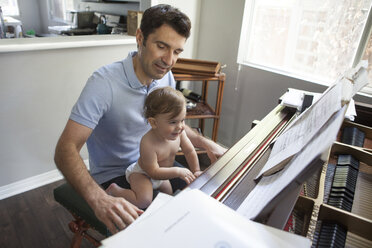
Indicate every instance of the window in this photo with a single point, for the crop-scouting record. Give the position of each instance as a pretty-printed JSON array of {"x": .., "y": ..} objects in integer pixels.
[
  {"x": 59, "y": 10},
  {"x": 367, "y": 55},
  {"x": 315, "y": 40},
  {"x": 9, "y": 7}
]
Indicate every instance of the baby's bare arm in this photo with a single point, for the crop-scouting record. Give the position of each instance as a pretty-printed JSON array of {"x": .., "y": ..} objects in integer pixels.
[
  {"x": 149, "y": 163},
  {"x": 190, "y": 154}
]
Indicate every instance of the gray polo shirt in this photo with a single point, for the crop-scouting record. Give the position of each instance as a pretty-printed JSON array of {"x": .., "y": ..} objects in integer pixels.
[{"x": 111, "y": 104}]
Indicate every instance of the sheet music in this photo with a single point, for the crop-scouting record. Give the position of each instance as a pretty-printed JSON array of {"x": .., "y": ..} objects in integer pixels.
[
  {"x": 194, "y": 219},
  {"x": 271, "y": 186},
  {"x": 308, "y": 123},
  {"x": 292, "y": 140}
]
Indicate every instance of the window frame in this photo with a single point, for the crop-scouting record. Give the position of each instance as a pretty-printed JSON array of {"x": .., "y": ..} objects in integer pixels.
[
  {"x": 246, "y": 30},
  {"x": 55, "y": 18},
  {"x": 366, "y": 36},
  {"x": 13, "y": 14}
]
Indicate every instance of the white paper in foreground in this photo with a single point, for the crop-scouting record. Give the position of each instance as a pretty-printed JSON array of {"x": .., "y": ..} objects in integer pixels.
[
  {"x": 271, "y": 186},
  {"x": 194, "y": 219},
  {"x": 160, "y": 200}
]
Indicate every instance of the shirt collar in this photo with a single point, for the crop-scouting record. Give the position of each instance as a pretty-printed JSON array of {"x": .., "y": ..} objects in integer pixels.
[{"x": 131, "y": 74}]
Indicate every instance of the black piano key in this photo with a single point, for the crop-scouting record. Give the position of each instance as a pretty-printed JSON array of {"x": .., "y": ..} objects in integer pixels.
[
  {"x": 345, "y": 177},
  {"x": 344, "y": 182},
  {"x": 331, "y": 238},
  {"x": 331, "y": 235},
  {"x": 347, "y": 159},
  {"x": 343, "y": 191},
  {"x": 350, "y": 187},
  {"x": 348, "y": 184},
  {"x": 328, "y": 181},
  {"x": 340, "y": 203},
  {"x": 353, "y": 136},
  {"x": 316, "y": 233},
  {"x": 345, "y": 174},
  {"x": 344, "y": 195}
]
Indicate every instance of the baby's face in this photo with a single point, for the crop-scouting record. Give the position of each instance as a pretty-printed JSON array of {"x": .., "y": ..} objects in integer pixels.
[{"x": 171, "y": 128}]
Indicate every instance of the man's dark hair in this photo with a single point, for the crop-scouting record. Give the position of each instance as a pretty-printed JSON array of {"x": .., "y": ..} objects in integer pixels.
[{"x": 156, "y": 16}]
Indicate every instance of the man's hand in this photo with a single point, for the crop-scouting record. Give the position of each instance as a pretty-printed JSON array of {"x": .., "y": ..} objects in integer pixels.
[
  {"x": 185, "y": 174},
  {"x": 214, "y": 150},
  {"x": 115, "y": 212}
]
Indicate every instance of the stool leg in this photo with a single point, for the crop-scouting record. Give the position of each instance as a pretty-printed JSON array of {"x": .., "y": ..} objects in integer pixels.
[
  {"x": 76, "y": 228},
  {"x": 79, "y": 228}
]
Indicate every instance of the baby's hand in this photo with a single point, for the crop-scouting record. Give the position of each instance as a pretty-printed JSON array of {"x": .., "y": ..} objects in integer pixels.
[
  {"x": 197, "y": 173},
  {"x": 186, "y": 175}
]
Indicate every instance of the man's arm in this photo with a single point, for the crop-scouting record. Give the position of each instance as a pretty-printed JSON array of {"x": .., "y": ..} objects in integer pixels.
[
  {"x": 213, "y": 149},
  {"x": 110, "y": 210}
]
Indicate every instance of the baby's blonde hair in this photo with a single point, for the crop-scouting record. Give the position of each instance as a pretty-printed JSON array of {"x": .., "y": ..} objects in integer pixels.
[{"x": 163, "y": 101}]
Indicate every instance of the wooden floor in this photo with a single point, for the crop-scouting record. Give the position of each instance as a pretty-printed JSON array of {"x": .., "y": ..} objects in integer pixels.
[{"x": 35, "y": 219}]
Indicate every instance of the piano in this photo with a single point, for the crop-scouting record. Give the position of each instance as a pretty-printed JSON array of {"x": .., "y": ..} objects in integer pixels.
[{"x": 316, "y": 209}]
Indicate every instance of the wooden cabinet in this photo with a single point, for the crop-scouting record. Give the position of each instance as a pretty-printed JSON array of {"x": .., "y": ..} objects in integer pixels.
[{"x": 203, "y": 110}]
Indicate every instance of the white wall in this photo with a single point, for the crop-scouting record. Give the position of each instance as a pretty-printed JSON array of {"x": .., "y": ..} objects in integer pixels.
[
  {"x": 30, "y": 15},
  {"x": 257, "y": 91},
  {"x": 37, "y": 92}
]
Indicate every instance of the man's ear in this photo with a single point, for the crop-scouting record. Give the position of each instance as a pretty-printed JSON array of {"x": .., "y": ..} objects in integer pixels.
[
  {"x": 152, "y": 122},
  {"x": 139, "y": 37}
]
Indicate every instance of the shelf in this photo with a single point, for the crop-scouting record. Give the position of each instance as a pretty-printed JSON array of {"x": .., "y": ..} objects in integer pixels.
[
  {"x": 202, "y": 110},
  {"x": 196, "y": 67},
  {"x": 189, "y": 77},
  {"x": 200, "y": 71}
]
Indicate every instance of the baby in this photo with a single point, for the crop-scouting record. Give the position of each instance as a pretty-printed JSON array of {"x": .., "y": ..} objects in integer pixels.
[{"x": 165, "y": 110}]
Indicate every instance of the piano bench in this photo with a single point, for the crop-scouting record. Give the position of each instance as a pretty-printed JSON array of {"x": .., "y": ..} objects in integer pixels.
[{"x": 84, "y": 217}]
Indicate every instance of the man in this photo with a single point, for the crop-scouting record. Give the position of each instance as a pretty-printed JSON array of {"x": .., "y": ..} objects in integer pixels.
[{"x": 108, "y": 116}]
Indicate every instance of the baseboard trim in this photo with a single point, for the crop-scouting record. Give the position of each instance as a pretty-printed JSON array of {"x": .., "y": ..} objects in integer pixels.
[{"x": 31, "y": 183}]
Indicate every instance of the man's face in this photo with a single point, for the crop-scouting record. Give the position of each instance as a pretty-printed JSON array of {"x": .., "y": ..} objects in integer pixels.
[{"x": 160, "y": 51}]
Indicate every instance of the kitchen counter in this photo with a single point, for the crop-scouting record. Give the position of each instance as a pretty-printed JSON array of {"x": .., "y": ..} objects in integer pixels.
[{"x": 61, "y": 42}]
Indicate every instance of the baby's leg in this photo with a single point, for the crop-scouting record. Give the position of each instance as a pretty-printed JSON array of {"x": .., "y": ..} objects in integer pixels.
[
  {"x": 166, "y": 187},
  {"x": 117, "y": 191},
  {"x": 140, "y": 192},
  {"x": 141, "y": 189}
]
